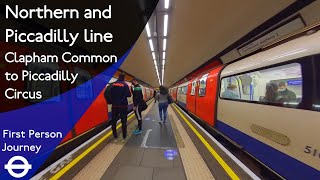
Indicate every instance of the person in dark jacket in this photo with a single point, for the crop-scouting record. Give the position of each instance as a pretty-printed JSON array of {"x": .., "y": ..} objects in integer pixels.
[
  {"x": 271, "y": 95},
  {"x": 286, "y": 93},
  {"x": 136, "y": 90},
  {"x": 118, "y": 94}
]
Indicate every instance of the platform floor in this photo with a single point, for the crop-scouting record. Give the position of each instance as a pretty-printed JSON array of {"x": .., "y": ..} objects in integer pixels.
[{"x": 177, "y": 150}]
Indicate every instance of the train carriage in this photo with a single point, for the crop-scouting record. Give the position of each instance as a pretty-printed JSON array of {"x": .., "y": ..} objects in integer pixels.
[
  {"x": 280, "y": 132},
  {"x": 182, "y": 94}
]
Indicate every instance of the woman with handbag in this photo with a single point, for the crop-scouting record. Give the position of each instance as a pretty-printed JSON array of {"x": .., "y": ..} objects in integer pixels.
[{"x": 164, "y": 99}]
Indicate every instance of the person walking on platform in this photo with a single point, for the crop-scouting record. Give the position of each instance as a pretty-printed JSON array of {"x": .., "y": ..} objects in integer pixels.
[
  {"x": 163, "y": 99},
  {"x": 154, "y": 95},
  {"x": 116, "y": 94},
  {"x": 137, "y": 102}
]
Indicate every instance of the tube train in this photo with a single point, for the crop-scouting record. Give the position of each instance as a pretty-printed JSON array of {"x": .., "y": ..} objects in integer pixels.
[{"x": 235, "y": 101}]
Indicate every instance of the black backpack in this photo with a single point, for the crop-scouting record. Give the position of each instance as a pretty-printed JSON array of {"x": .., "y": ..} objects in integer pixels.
[
  {"x": 143, "y": 105},
  {"x": 107, "y": 94}
]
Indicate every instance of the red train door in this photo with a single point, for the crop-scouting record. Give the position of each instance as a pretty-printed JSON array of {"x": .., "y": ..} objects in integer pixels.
[{"x": 207, "y": 96}]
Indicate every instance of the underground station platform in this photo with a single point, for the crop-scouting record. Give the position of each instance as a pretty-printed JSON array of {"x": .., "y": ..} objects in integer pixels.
[{"x": 179, "y": 149}]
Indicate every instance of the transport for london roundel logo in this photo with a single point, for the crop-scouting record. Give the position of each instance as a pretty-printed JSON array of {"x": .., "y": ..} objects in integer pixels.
[{"x": 25, "y": 166}]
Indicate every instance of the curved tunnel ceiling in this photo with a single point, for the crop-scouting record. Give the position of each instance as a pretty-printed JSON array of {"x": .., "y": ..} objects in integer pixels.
[{"x": 199, "y": 30}]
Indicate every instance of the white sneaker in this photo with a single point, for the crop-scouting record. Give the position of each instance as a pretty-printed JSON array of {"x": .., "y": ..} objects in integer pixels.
[
  {"x": 160, "y": 121},
  {"x": 115, "y": 140}
]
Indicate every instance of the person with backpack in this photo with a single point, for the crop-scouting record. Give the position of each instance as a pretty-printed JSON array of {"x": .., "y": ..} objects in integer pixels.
[
  {"x": 164, "y": 99},
  {"x": 138, "y": 104},
  {"x": 116, "y": 94}
]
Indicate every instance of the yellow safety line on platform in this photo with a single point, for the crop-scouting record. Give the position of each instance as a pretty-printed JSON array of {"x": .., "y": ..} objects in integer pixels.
[
  {"x": 224, "y": 165},
  {"x": 86, "y": 152}
]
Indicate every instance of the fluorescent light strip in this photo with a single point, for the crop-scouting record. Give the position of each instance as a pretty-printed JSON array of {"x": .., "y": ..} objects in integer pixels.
[
  {"x": 164, "y": 44},
  {"x": 165, "y": 31},
  {"x": 155, "y": 62},
  {"x": 162, "y": 77},
  {"x": 163, "y": 62},
  {"x": 151, "y": 44},
  {"x": 164, "y": 55},
  {"x": 148, "y": 30},
  {"x": 162, "y": 74},
  {"x": 153, "y": 56},
  {"x": 166, "y": 4}
]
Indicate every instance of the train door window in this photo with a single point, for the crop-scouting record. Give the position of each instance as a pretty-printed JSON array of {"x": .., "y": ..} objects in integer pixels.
[
  {"x": 280, "y": 85},
  {"x": 230, "y": 88},
  {"x": 84, "y": 85},
  {"x": 193, "y": 87},
  {"x": 184, "y": 90},
  {"x": 203, "y": 85}
]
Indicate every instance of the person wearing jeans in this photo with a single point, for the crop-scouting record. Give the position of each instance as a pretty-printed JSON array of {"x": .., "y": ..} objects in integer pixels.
[{"x": 162, "y": 98}]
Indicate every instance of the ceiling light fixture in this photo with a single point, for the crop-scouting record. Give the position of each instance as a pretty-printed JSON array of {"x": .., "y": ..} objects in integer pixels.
[
  {"x": 165, "y": 30},
  {"x": 163, "y": 62},
  {"x": 166, "y": 4},
  {"x": 162, "y": 74},
  {"x": 153, "y": 56},
  {"x": 151, "y": 44},
  {"x": 148, "y": 30},
  {"x": 164, "y": 55},
  {"x": 164, "y": 44}
]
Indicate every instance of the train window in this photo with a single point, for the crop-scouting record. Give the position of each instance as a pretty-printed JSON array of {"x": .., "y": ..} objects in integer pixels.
[
  {"x": 193, "y": 87},
  {"x": 84, "y": 85},
  {"x": 203, "y": 85},
  {"x": 230, "y": 88},
  {"x": 280, "y": 85},
  {"x": 184, "y": 90}
]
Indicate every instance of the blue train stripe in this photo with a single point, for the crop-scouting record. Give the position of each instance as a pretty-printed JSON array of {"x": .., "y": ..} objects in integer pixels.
[{"x": 283, "y": 164}]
